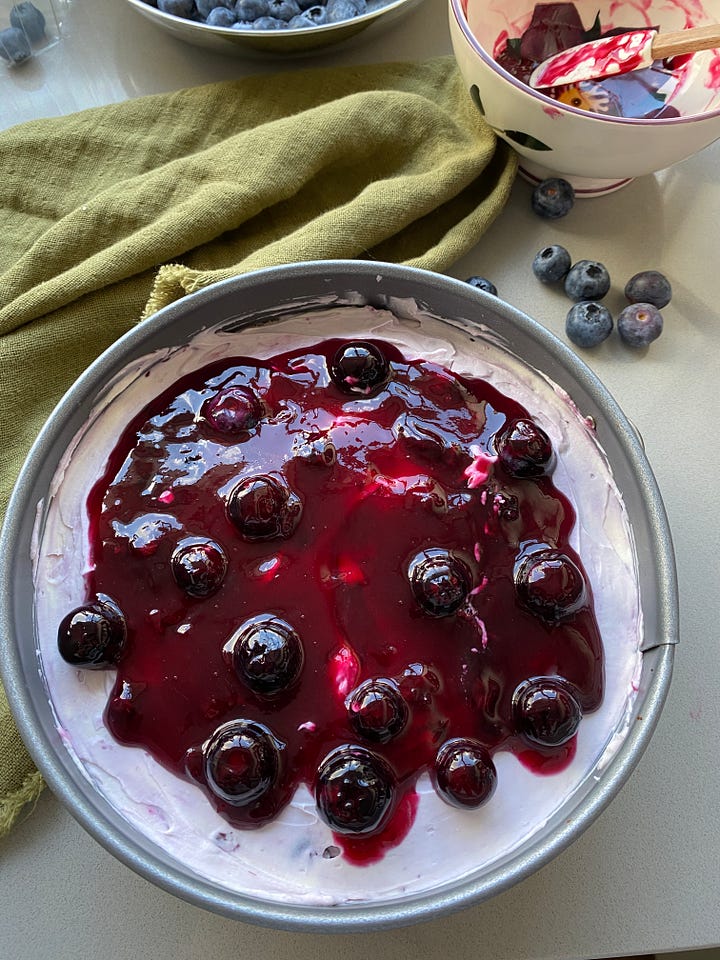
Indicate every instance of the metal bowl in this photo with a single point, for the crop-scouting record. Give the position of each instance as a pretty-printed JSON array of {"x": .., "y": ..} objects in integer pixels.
[
  {"x": 277, "y": 43},
  {"x": 256, "y": 298}
]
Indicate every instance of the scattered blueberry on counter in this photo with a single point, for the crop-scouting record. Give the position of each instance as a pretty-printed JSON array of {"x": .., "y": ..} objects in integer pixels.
[
  {"x": 482, "y": 283},
  {"x": 14, "y": 46},
  {"x": 649, "y": 286},
  {"x": 27, "y": 28},
  {"x": 263, "y": 14},
  {"x": 553, "y": 198},
  {"x": 587, "y": 280},
  {"x": 588, "y": 323},
  {"x": 639, "y": 324},
  {"x": 551, "y": 264}
]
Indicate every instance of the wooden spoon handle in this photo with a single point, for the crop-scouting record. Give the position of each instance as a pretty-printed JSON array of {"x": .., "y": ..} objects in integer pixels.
[{"x": 686, "y": 41}]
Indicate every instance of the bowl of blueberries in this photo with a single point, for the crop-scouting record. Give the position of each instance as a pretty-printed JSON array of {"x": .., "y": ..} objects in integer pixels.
[
  {"x": 269, "y": 27},
  {"x": 599, "y": 132}
]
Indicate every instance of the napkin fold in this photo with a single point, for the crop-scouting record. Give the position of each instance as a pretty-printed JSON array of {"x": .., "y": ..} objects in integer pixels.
[{"x": 109, "y": 214}]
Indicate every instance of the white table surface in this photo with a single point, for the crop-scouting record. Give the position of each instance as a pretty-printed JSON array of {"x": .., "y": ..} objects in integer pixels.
[{"x": 645, "y": 877}]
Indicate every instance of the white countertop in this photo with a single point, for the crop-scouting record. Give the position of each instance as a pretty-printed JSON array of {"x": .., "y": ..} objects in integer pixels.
[{"x": 646, "y": 876}]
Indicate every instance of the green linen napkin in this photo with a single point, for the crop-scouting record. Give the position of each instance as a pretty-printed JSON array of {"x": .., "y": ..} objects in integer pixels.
[{"x": 111, "y": 213}]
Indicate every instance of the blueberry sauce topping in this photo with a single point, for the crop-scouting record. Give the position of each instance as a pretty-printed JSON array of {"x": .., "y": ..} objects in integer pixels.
[
  {"x": 372, "y": 570},
  {"x": 198, "y": 567},
  {"x": 465, "y": 776},
  {"x": 440, "y": 581},
  {"x": 546, "y": 711},
  {"x": 267, "y": 654},
  {"x": 377, "y": 710},
  {"x": 354, "y": 790},
  {"x": 93, "y": 635}
]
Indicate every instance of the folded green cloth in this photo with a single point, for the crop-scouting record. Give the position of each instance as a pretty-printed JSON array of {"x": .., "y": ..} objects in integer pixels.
[{"x": 111, "y": 213}]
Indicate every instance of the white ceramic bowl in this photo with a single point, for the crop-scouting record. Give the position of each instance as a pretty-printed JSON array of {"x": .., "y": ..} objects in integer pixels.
[
  {"x": 595, "y": 152},
  {"x": 275, "y": 43}
]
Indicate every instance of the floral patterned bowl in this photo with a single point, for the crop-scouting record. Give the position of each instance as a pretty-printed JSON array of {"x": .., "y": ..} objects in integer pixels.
[{"x": 601, "y": 135}]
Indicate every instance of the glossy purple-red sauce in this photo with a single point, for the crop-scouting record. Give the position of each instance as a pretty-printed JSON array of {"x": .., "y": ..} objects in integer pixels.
[{"x": 379, "y": 478}]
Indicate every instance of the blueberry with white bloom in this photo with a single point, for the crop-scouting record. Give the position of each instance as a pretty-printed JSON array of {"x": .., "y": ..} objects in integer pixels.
[
  {"x": 588, "y": 324},
  {"x": 551, "y": 264},
  {"x": 178, "y": 8},
  {"x": 312, "y": 17},
  {"x": 14, "y": 46},
  {"x": 269, "y": 23},
  {"x": 251, "y": 9},
  {"x": 587, "y": 280},
  {"x": 339, "y": 10},
  {"x": 283, "y": 9},
  {"x": 220, "y": 17},
  {"x": 26, "y": 17},
  {"x": 553, "y": 198},
  {"x": 205, "y": 7}
]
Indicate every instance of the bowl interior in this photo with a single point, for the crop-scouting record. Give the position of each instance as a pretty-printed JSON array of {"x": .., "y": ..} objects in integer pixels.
[
  {"x": 698, "y": 87},
  {"x": 263, "y": 294}
]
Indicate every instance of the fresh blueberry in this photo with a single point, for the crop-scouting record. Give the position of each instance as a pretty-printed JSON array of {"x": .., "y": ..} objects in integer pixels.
[
  {"x": 339, "y": 10},
  {"x": 283, "y": 9},
  {"x": 311, "y": 17},
  {"x": 587, "y": 280},
  {"x": 263, "y": 507},
  {"x": 241, "y": 762},
  {"x": 551, "y": 264},
  {"x": 205, "y": 7},
  {"x": 482, "y": 283},
  {"x": 359, "y": 367},
  {"x": 92, "y": 635},
  {"x": 306, "y": 4},
  {"x": 354, "y": 790},
  {"x": 178, "y": 8},
  {"x": 524, "y": 449},
  {"x": 639, "y": 324},
  {"x": 440, "y": 581},
  {"x": 649, "y": 286},
  {"x": 588, "y": 323},
  {"x": 377, "y": 711},
  {"x": 220, "y": 17},
  {"x": 464, "y": 774},
  {"x": 199, "y": 567},
  {"x": 266, "y": 653},
  {"x": 26, "y": 17},
  {"x": 549, "y": 584},
  {"x": 553, "y": 198},
  {"x": 546, "y": 712},
  {"x": 14, "y": 46},
  {"x": 269, "y": 23},
  {"x": 251, "y": 9}
]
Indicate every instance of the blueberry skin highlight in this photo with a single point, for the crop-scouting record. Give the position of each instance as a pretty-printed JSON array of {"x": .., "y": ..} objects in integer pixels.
[
  {"x": 588, "y": 324},
  {"x": 553, "y": 198},
  {"x": 649, "y": 286},
  {"x": 639, "y": 324},
  {"x": 551, "y": 264},
  {"x": 587, "y": 280}
]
